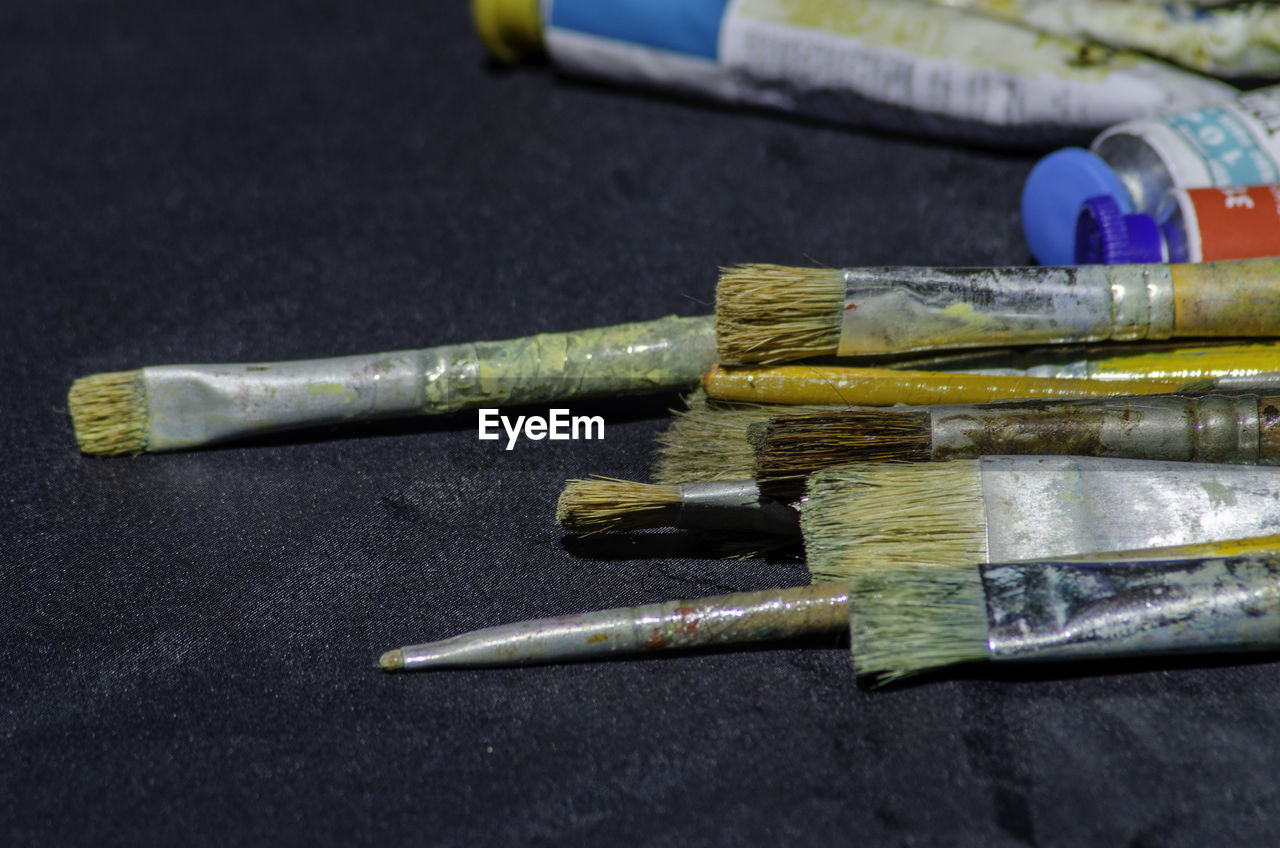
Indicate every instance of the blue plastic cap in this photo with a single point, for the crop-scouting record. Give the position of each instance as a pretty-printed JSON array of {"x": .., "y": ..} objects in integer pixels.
[
  {"x": 1056, "y": 188},
  {"x": 1105, "y": 235}
]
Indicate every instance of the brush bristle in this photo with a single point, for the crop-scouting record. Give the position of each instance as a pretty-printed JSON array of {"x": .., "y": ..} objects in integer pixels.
[
  {"x": 109, "y": 413},
  {"x": 794, "y": 446},
  {"x": 604, "y": 504},
  {"x": 773, "y": 313},
  {"x": 913, "y": 618},
  {"x": 709, "y": 441},
  {"x": 865, "y": 517}
]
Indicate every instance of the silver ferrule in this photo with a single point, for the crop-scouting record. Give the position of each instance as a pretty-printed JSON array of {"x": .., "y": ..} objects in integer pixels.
[
  {"x": 734, "y": 505},
  {"x": 1208, "y": 428},
  {"x": 899, "y": 310},
  {"x": 191, "y": 405},
  {"x": 1040, "y": 507},
  {"x": 1075, "y": 610},
  {"x": 670, "y": 625}
]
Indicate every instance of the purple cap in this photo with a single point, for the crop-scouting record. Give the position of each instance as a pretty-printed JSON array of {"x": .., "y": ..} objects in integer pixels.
[{"x": 1105, "y": 235}]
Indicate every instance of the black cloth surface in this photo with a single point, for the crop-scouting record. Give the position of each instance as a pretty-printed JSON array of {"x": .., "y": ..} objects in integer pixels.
[{"x": 189, "y": 640}]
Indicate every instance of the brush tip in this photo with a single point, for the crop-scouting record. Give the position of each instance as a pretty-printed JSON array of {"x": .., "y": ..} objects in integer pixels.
[
  {"x": 109, "y": 413},
  {"x": 606, "y": 504},
  {"x": 392, "y": 660},
  {"x": 773, "y": 313}
]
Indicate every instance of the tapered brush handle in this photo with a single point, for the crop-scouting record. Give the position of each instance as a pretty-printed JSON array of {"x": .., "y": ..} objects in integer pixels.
[
  {"x": 1241, "y": 429},
  {"x": 898, "y": 310},
  {"x": 672, "y": 625},
  {"x": 815, "y": 385}
]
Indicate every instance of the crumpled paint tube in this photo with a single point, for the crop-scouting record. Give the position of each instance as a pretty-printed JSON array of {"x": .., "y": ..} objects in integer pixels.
[
  {"x": 902, "y": 65},
  {"x": 1242, "y": 41}
]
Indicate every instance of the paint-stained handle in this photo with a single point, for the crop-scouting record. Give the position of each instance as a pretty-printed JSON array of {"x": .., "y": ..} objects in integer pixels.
[
  {"x": 1236, "y": 298},
  {"x": 1076, "y": 610},
  {"x": 1210, "y": 428},
  {"x": 192, "y": 405}
]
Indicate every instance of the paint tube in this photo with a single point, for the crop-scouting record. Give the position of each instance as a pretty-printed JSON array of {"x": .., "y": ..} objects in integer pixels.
[
  {"x": 901, "y": 65},
  {"x": 1137, "y": 163},
  {"x": 1238, "y": 42}
]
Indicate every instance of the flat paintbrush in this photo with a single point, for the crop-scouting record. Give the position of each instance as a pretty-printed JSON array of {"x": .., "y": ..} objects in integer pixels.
[
  {"x": 771, "y": 313},
  {"x": 917, "y": 617},
  {"x": 1242, "y": 429},
  {"x": 605, "y": 504},
  {"x": 175, "y": 407},
  {"x": 1005, "y": 508}
]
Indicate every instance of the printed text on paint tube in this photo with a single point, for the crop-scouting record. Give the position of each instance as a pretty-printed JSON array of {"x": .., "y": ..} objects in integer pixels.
[{"x": 559, "y": 425}]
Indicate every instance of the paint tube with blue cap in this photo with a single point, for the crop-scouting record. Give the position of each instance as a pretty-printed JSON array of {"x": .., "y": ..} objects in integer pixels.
[
  {"x": 1138, "y": 163},
  {"x": 900, "y": 65}
]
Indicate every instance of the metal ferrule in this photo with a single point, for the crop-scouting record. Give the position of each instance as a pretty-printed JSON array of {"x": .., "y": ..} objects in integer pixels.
[
  {"x": 1076, "y": 610},
  {"x": 671, "y": 625},
  {"x": 1040, "y": 507},
  {"x": 1208, "y": 428},
  {"x": 734, "y": 505},
  {"x": 190, "y": 405},
  {"x": 898, "y": 310}
]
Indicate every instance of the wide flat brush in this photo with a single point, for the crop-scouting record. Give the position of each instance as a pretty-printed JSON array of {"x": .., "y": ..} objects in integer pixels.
[
  {"x": 919, "y": 617},
  {"x": 176, "y": 407},
  {"x": 772, "y": 313},
  {"x": 1242, "y": 429},
  {"x": 916, "y": 618},
  {"x": 1006, "y": 508}
]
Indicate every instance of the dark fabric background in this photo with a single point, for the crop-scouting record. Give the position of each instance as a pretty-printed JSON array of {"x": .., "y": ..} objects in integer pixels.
[{"x": 189, "y": 641}]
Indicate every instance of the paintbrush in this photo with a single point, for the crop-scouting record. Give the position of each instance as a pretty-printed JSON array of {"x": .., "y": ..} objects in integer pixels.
[
  {"x": 917, "y": 617},
  {"x": 986, "y": 510},
  {"x": 607, "y": 504},
  {"x": 1005, "y": 508},
  {"x": 772, "y": 313},
  {"x": 1242, "y": 429},
  {"x": 175, "y": 407}
]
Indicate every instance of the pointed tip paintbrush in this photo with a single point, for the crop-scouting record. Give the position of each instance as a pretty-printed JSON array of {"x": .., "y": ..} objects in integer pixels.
[{"x": 914, "y": 618}]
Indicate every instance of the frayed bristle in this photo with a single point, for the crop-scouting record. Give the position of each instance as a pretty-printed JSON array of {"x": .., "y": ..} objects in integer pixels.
[
  {"x": 773, "y": 313},
  {"x": 865, "y": 517},
  {"x": 709, "y": 441},
  {"x": 605, "y": 504},
  {"x": 913, "y": 618},
  {"x": 109, "y": 413},
  {"x": 794, "y": 446}
]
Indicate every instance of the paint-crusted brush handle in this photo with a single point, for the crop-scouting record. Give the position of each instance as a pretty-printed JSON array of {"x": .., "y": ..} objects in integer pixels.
[
  {"x": 192, "y": 405},
  {"x": 1241, "y": 429}
]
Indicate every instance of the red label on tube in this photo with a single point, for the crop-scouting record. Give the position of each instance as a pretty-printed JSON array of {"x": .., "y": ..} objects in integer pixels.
[{"x": 1237, "y": 223}]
